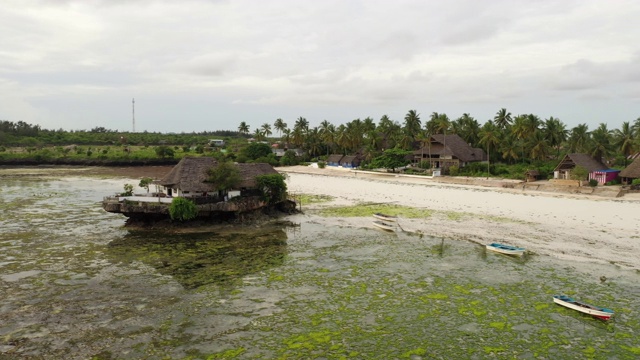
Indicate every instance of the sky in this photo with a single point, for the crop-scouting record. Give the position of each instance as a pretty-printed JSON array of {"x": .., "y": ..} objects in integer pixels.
[{"x": 206, "y": 65}]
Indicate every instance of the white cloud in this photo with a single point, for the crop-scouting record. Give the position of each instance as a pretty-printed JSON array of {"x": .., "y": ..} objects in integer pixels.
[{"x": 325, "y": 57}]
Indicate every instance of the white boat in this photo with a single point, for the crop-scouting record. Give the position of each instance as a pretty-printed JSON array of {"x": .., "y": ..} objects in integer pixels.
[
  {"x": 385, "y": 217},
  {"x": 506, "y": 249},
  {"x": 599, "y": 312},
  {"x": 383, "y": 225}
]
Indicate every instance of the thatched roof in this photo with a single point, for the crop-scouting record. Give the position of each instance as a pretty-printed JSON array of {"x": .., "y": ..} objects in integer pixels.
[
  {"x": 632, "y": 171},
  {"x": 248, "y": 173},
  {"x": 189, "y": 174},
  {"x": 335, "y": 158},
  {"x": 532, "y": 173},
  {"x": 351, "y": 159},
  {"x": 452, "y": 145},
  {"x": 570, "y": 161}
]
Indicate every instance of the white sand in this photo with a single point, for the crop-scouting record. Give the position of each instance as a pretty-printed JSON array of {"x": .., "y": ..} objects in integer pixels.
[{"x": 579, "y": 227}]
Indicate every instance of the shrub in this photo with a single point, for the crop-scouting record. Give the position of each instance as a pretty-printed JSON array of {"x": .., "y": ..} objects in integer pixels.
[
  {"x": 182, "y": 209},
  {"x": 593, "y": 182},
  {"x": 322, "y": 164},
  {"x": 454, "y": 170},
  {"x": 274, "y": 189},
  {"x": 128, "y": 190},
  {"x": 635, "y": 182}
]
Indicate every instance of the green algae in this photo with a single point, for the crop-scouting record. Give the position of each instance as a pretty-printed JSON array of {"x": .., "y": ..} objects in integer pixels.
[{"x": 296, "y": 292}]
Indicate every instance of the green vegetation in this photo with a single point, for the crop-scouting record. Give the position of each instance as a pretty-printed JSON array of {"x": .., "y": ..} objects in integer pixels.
[
  {"x": 182, "y": 209},
  {"x": 274, "y": 188},
  {"x": 362, "y": 210},
  {"x": 513, "y": 144},
  {"x": 224, "y": 176}
]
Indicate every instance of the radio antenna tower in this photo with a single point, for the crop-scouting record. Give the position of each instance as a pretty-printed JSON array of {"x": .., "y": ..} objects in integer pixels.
[{"x": 133, "y": 113}]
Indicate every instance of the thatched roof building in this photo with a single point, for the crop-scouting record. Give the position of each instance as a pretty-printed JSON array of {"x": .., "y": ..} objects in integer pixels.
[
  {"x": 190, "y": 174},
  {"x": 248, "y": 173},
  {"x": 570, "y": 161},
  {"x": 632, "y": 171},
  {"x": 448, "y": 150}
]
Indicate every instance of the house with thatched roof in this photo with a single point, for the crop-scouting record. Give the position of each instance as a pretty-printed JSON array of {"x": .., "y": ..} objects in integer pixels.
[
  {"x": 334, "y": 159},
  {"x": 595, "y": 168},
  {"x": 631, "y": 172},
  {"x": 350, "y": 161},
  {"x": 189, "y": 177},
  {"x": 444, "y": 151}
]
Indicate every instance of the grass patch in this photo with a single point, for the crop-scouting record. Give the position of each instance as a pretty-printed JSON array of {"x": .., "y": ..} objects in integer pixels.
[
  {"x": 306, "y": 199},
  {"x": 362, "y": 210}
]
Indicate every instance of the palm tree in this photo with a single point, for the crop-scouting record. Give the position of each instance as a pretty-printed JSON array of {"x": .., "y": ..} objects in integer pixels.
[
  {"x": 467, "y": 128},
  {"x": 519, "y": 130},
  {"x": 302, "y": 124},
  {"x": 508, "y": 147},
  {"x": 266, "y": 129},
  {"x": 579, "y": 138},
  {"x": 280, "y": 125},
  {"x": 243, "y": 128},
  {"x": 502, "y": 119},
  {"x": 489, "y": 137},
  {"x": 624, "y": 139},
  {"x": 258, "y": 135},
  {"x": 600, "y": 145},
  {"x": 327, "y": 134},
  {"x": 539, "y": 146},
  {"x": 555, "y": 133},
  {"x": 412, "y": 124}
]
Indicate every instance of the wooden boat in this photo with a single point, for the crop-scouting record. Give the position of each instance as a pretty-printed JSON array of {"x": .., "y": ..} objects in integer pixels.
[
  {"x": 506, "y": 249},
  {"x": 383, "y": 225},
  {"x": 385, "y": 217},
  {"x": 599, "y": 312}
]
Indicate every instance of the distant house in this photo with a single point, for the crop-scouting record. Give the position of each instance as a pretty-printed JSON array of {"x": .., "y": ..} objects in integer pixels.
[
  {"x": 595, "y": 168},
  {"x": 280, "y": 152},
  {"x": 631, "y": 172},
  {"x": 350, "y": 161},
  {"x": 532, "y": 175},
  {"x": 216, "y": 142},
  {"x": 444, "y": 151},
  {"x": 334, "y": 159},
  {"x": 188, "y": 177}
]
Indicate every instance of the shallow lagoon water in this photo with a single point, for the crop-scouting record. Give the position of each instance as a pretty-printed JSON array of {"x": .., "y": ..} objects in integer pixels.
[{"x": 77, "y": 285}]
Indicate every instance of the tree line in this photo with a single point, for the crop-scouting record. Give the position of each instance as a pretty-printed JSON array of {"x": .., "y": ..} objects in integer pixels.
[{"x": 505, "y": 138}]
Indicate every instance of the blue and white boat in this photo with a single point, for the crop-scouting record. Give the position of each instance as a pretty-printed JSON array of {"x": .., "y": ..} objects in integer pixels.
[
  {"x": 506, "y": 249},
  {"x": 597, "y": 311}
]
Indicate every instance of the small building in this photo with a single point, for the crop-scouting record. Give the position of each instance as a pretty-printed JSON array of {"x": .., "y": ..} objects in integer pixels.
[
  {"x": 216, "y": 142},
  {"x": 350, "y": 161},
  {"x": 334, "y": 159},
  {"x": 532, "y": 175},
  {"x": 570, "y": 161},
  {"x": 631, "y": 172},
  {"x": 605, "y": 176}
]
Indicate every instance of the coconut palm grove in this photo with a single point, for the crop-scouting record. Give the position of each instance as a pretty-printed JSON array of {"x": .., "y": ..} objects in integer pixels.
[{"x": 513, "y": 143}]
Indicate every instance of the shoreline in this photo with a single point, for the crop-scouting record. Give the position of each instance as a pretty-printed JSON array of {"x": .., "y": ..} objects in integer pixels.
[{"x": 579, "y": 227}]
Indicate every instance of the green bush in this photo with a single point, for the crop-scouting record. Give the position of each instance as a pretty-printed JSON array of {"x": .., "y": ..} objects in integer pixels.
[
  {"x": 454, "y": 170},
  {"x": 593, "y": 182},
  {"x": 182, "y": 209},
  {"x": 635, "y": 182},
  {"x": 273, "y": 187},
  {"x": 322, "y": 164}
]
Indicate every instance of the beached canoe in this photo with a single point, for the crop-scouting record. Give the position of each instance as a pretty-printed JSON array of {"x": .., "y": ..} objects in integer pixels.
[
  {"x": 506, "y": 249},
  {"x": 383, "y": 225},
  {"x": 385, "y": 217},
  {"x": 599, "y": 312}
]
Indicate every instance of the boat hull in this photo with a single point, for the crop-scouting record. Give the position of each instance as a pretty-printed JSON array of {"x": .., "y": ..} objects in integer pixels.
[
  {"x": 383, "y": 225},
  {"x": 506, "y": 249},
  {"x": 384, "y": 217},
  {"x": 596, "y": 311}
]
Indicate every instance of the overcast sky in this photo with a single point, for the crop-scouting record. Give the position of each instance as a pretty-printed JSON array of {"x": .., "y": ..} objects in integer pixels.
[{"x": 204, "y": 65}]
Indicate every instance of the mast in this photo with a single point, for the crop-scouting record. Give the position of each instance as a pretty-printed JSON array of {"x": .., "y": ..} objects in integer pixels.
[{"x": 133, "y": 113}]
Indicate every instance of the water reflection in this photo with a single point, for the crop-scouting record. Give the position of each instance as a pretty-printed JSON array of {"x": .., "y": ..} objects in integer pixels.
[{"x": 197, "y": 259}]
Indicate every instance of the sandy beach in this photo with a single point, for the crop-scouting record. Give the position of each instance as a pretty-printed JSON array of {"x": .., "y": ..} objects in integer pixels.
[{"x": 567, "y": 226}]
